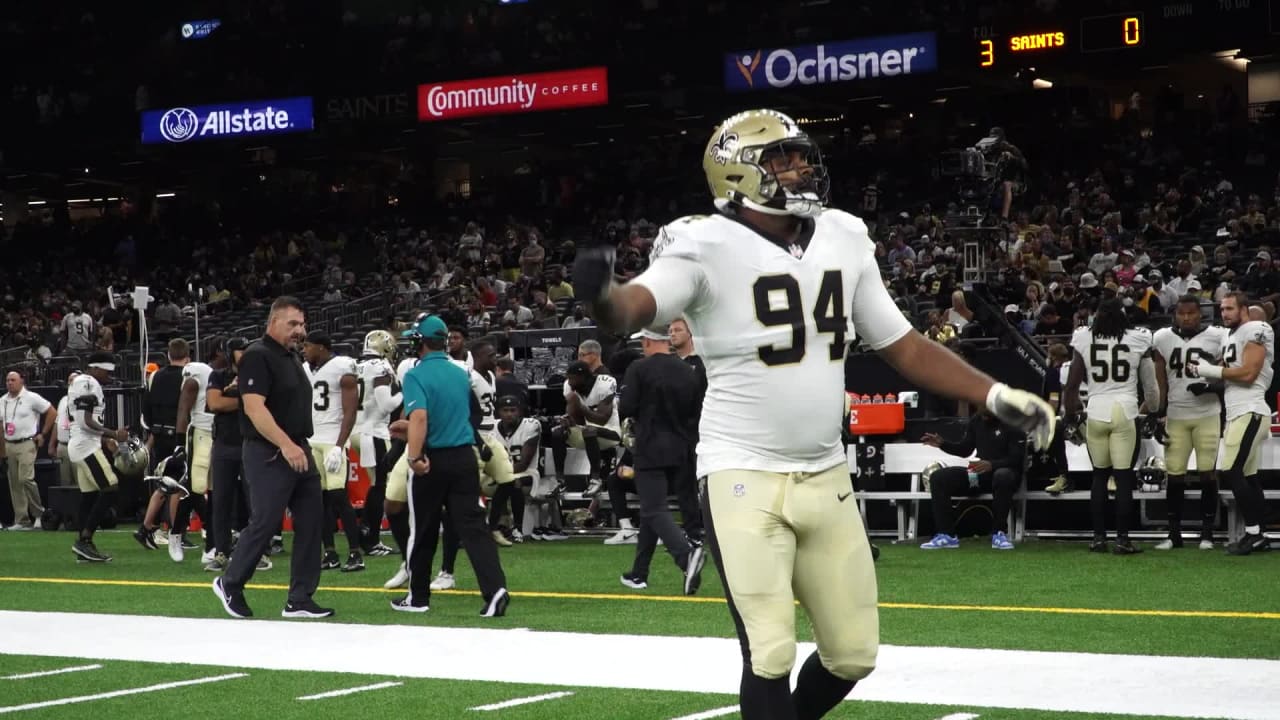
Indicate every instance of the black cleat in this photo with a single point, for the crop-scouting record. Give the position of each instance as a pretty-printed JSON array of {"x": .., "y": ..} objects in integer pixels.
[
  {"x": 87, "y": 551},
  {"x": 405, "y": 604},
  {"x": 330, "y": 561},
  {"x": 635, "y": 582},
  {"x": 693, "y": 571},
  {"x": 1249, "y": 543},
  {"x": 1099, "y": 545},
  {"x": 1125, "y": 547},
  {"x": 277, "y": 546},
  {"x": 307, "y": 610},
  {"x": 145, "y": 538},
  {"x": 355, "y": 563},
  {"x": 233, "y": 603},
  {"x": 497, "y": 605}
]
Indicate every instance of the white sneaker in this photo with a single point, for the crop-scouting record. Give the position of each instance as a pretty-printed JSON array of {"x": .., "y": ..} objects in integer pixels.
[
  {"x": 625, "y": 536},
  {"x": 175, "y": 547},
  {"x": 207, "y": 555},
  {"x": 500, "y": 539},
  {"x": 36, "y": 525},
  {"x": 1165, "y": 544},
  {"x": 517, "y": 536},
  {"x": 443, "y": 581},
  {"x": 399, "y": 580},
  {"x": 1206, "y": 544}
]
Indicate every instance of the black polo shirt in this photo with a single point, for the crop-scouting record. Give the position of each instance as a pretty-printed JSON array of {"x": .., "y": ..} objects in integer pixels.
[
  {"x": 226, "y": 425},
  {"x": 268, "y": 369}
]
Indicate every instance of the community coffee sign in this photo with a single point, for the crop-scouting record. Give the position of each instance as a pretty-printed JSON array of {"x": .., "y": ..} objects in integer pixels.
[{"x": 513, "y": 94}]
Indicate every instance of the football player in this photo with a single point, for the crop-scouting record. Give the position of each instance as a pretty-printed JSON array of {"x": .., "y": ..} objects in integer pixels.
[
  {"x": 1111, "y": 353},
  {"x": 496, "y": 480},
  {"x": 195, "y": 423},
  {"x": 397, "y": 495},
  {"x": 335, "y": 394},
  {"x": 378, "y": 400},
  {"x": 1248, "y": 359},
  {"x": 590, "y": 421},
  {"x": 94, "y": 473},
  {"x": 774, "y": 286},
  {"x": 1191, "y": 415},
  {"x": 457, "y": 349},
  {"x": 522, "y": 437}
]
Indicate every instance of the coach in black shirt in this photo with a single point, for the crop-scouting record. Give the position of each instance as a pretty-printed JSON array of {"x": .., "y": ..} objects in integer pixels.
[
  {"x": 658, "y": 394},
  {"x": 275, "y": 395},
  {"x": 687, "y": 483}
]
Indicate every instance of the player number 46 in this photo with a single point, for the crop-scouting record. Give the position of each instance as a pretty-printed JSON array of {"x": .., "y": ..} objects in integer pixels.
[{"x": 828, "y": 315}]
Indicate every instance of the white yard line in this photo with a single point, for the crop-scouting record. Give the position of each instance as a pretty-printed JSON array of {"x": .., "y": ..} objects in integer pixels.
[
  {"x": 351, "y": 691},
  {"x": 521, "y": 701},
  {"x": 47, "y": 673},
  {"x": 959, "y": 716},
  {"x": 119, "y": 693},
  {"x": 1090, "y": 683},
  {"x": 718, "y": 712}
]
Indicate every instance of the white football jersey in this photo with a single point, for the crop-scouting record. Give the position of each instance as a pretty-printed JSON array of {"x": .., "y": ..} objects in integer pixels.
[
  {"x": 1251, "y": 398},
  {"x": 484, "y": 389},
  {"x": 84, "y": 391},
  {"x": 1205, "y": 347},
  {"x": 468, "y": 364},
  {"x": 326, "y": 398},
  {"x": 528, "y": 429},
  {"x": 64, "y": 421},
  {"x": 200, "y": 415},
  {"x": 1112, "y": 367},
  {"x": 404, "y": 367},
  {"x": 605, "y": 388},
  {"x": 371, "y": 419},
  {"x": 773, "y": 325}
]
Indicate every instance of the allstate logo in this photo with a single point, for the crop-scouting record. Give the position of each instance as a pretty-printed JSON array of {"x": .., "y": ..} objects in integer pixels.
[
  {"x": 179, "y": 125},
  {"x": 188, "y": 30}
]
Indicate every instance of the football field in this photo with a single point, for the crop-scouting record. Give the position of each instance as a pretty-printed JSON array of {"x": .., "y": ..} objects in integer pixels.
[{"x": 1046, "y": 632}]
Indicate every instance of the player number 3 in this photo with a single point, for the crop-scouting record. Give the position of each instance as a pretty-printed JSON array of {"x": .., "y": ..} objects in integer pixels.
[{"x": 828, "y": 315}]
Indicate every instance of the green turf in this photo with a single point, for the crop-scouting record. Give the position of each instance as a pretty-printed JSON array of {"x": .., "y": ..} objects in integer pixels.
[
  {"x": 1045, "y": 574},
  {"x": 272, "y": 694}
]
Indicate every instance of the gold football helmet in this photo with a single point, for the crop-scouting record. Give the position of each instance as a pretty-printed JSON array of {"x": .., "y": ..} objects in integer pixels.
[
  {"x": 761, "y": 159},
  {"x": 380, "y": 343}
]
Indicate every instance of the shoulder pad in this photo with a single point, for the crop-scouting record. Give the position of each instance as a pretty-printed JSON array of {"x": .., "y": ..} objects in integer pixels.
[{"x": 679, "y": 238}]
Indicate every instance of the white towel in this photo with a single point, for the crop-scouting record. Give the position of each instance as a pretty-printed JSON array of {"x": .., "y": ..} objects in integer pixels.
[{"x": 368, "y": 456}]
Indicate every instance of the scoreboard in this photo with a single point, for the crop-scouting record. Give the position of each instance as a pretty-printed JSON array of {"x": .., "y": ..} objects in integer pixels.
[{"x": 1149, "y": 33}]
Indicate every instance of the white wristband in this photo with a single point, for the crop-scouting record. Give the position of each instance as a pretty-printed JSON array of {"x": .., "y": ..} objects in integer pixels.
[{"x": 1210, "y": 372}]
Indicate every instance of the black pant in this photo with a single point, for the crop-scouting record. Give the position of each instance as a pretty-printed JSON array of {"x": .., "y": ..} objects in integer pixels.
[
  {"x": 656, "y": 521},
  {"x": 371, "y": 528},
  {"x": 951, "y": 481},
  {"x": 618, "y": 489},
  {"x": 225, "y": 466},
  {"x": 507, "y": 494},
  {"x": 451, "y": 484},
  {"x": 686, "y": 492},
  {"x": 274, "y": 486}
]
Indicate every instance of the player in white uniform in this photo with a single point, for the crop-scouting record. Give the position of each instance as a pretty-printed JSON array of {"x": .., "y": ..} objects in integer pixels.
[
  {"x": 379, "y": 399},
  {"x": 522, "y": 437},
  {"x": 590, "y": 421},
  {"x": 775, "y": 286},
  {"x": 335, "y": 395},
  {"x": 94, "y": 473},
  {"x": 1248, "y": 359},
  {"x": 1191, "y": 415},
  {"x": 1111, "y": 353},
  {"x": 456, "y": 348},
  {"x": 195, "y": 423}
]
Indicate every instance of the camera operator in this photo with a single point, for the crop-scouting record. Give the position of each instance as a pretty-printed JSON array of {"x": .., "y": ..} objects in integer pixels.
[{"x": 1009, "y": 165}]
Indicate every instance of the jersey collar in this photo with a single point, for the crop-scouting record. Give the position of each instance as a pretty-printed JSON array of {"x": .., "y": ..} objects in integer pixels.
[{"x": 796, "y": 249}]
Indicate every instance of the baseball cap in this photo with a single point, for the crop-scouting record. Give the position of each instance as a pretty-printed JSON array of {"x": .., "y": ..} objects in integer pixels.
[
  {"x": 1155, "y": 274},
  {"x": 1011, "y": 308},
  {"x": 1139, "y": 279},
  {"x": 321, "y": 338},
  {"x": 1088, "y": 280},
  {"x": 577, "y": 368},
  {"x": 507, "y": 401},
  {"x": 650, "y": 334},
  {"x": 430, "y": 326},
  {"x": 1262, "y": 255}
]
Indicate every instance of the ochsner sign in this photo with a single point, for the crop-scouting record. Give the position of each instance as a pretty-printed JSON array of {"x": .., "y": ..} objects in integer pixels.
[
  {"x": 885, "y": 56},
  {"x": 509, "y": 94}
]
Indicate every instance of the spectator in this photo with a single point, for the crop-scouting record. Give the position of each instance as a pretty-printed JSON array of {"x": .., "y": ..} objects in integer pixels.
[
  {"x": 1262, "y": 280},
  {"x": 517, "y": 314},
  {"x": 557, "y": 288},
  {"x": 37, "y": 350},
  {"x": 1104, "y": 259},
  {"x": 938, "y": 330},
  {"x": 577, "y": 319},
  {"x": 1014, "y": 315},
  {"x": 332, "y": 294},
  {"x": 471, "y": 243},
  {"x": 166, "y": 318},
  {"x": 1181, "y": 284},
  {"x": 532, "y": 257},
  {"x": 477, "y": 316},
  {"x": 959, "y": 315},
  {"x": 77, "y": 330},
  {"x": 1050, "y": 322},
  {"x": 899, "y": 249},
  {"x": 1126, "y": 270}
]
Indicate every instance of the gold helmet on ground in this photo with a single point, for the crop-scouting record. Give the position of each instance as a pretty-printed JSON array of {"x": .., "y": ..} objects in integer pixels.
[
  {"x": 762, "y": 160},
  {"x": 380, "y": 343}
]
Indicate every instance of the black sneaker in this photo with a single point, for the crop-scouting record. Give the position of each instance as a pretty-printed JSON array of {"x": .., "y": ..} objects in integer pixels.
[
  {"x": 497, "y": 605},
  {"x": 307, "y": 610},
  {"x": 1249, "y": 543},
  {"x": 1125, "y": 547},
  {"x": 355, "y": 563},
  {"x": 693, "y": 571},
  {"x": 145, "y": 538},
  {"x": 86, "y": 550},
  {"x": 635, "y": 582},
  {"x": 330, "y": 561},
  {"x": 188, "y": 545},
  {"x": 379, "y": 550},
  {"x": 405, "y": 604},
  {"x": 1099, "y": 545},
  {"x": 233, "y": 603},
  {"x": 277, "y": 546}
]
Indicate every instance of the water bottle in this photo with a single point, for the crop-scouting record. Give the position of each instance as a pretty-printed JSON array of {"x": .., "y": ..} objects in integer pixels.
[
  {"x": 890, "y": 399},
  {"x": 973, "y": 479},
  {"x": 865, "y": 399},
  {"x": 877, "y": 399}
]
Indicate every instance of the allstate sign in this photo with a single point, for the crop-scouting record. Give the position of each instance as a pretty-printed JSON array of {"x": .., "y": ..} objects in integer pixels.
[
  {"x": 884, "y": 56},
  {"x": 209, "y": 122}
]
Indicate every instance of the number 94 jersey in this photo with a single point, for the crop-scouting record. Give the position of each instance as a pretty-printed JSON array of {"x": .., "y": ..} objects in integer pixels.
[
  {"x": 1205, "y": 347},
  {"x": 772, "y": 324},
  {"x": 1112, "y": 367}
]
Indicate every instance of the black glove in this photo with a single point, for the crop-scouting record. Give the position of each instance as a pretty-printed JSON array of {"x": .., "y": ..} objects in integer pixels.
[
  {"x": 593, "y": 272},
  {"x": 485, "y": 453},
  {"x": 1161, "y": 433},
  {"x": 1199, "y": 388}
]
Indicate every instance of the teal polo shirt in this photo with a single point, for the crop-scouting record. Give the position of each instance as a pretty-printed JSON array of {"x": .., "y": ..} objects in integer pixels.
[{"x": 444, "y": 391}]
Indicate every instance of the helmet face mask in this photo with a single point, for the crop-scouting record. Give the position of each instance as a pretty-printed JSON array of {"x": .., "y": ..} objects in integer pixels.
[
  {"x": 761, "y": 159},
  {"x": 131, "y": 457}
]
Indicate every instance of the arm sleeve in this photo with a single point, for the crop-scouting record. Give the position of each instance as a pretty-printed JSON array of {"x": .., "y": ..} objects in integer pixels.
[
  {"x": 1015, "y": 447},
  {"x": 386, "y": 401},
  {"x": 676, "y": 283},
  {"x": 255, "y": 379},
  {"x": 966, "y": 446}
]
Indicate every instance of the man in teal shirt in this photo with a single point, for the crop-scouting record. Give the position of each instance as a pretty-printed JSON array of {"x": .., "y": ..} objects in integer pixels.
[{"x": 438, "y": 403}]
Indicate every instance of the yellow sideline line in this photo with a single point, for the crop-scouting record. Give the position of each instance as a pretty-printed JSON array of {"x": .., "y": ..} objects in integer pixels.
[{"x": 1232, "y": 615}]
